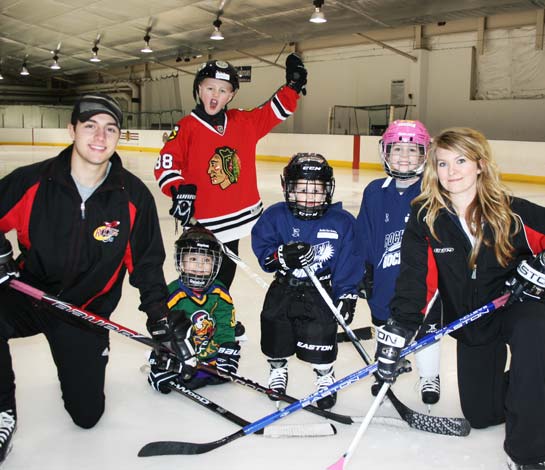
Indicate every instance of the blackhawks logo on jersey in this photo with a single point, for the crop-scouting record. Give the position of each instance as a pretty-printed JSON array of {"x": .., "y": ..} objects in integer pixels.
[{"x": 224, "y": 167}]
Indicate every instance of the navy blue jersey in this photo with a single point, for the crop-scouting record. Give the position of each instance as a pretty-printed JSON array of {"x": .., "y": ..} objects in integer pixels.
[
  {"x": 381, "y": 223},
  {"x": 333, "y": 236}
]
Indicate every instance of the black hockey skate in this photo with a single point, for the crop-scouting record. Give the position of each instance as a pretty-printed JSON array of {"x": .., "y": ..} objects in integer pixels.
[
  {"x": 7, "y": 429},
  {"x": 278, "y": 377},
  {"x": 430, "y": 389},
  {"x": 324, "y": 378},
  {"x": 531, "y": 466}
]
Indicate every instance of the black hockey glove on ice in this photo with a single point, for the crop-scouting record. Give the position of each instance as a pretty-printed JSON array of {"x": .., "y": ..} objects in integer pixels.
[
  {"x": 296, "y": 74},
  {"x": 173, "y": 332},
  {"x": 8, "y": 268},
  {"x": 391, "y": 339},
  {"x": 529, "y": 281},
  {"x": 159, "y": 378},
  {"x": 347, "y": 307},
  {"x": 228, "y": 357},
  {"x": 183, "y": 202},
  {"x": 295, "y": 255}
]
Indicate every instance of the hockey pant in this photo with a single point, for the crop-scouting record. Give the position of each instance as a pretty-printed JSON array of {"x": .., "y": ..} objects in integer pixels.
[
  {"x": 489, "y": 396},
  {"x": 296, "y": 320},
  {"x": 80, "y": 353}
]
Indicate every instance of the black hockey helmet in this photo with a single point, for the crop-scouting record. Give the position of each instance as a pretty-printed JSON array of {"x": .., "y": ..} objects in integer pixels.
[
  {"x": 302, "y": 201},
  {"x": 195, "y": 244},
  {"x": 217, "y": 69}
]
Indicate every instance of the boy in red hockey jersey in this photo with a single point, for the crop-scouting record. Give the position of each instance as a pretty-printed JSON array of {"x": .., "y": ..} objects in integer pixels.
[{"x": 207, "y": 165}]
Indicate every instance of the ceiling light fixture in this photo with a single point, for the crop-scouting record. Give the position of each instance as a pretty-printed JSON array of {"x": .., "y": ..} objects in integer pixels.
[
  {"x": 216, "y": 34},
  {"x": 95, "y": 57},
  {"x": 147, "y": 49},
  {"x": 24, "y": 71},
  {"x": 318, "y": 15},
  {"x": 55, "y": 65}
]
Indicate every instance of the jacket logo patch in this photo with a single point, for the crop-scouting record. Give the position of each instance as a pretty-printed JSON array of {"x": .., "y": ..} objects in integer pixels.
[
  {"x": 224, "y": 167},
  {"x": 106, "y": 233}
]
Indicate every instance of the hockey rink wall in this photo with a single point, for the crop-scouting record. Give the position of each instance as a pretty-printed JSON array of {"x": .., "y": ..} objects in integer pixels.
[{"x": 518, "y": 161}]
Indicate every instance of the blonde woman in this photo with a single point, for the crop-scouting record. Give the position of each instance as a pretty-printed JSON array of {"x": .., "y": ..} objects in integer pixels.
[{"x": 469, "y": 240}]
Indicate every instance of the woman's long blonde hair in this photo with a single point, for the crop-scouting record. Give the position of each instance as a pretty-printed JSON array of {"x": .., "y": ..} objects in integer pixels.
[{"x": 492, "y": 201}]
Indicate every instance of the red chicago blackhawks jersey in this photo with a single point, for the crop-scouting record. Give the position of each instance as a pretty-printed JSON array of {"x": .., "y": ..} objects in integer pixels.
[{"x": 221, "y": 163}]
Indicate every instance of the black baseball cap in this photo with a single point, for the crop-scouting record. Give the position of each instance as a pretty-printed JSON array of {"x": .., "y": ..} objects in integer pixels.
[{"x": 96, "y": 103}]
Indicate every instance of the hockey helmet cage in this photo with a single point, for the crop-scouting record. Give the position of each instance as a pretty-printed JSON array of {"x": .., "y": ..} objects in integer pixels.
[
  {"x": 404, "y": 131},
  {"x": 197, "y": 257},
  {"x": 217, "y": 69},
  {"x": 307, "y": 204}
]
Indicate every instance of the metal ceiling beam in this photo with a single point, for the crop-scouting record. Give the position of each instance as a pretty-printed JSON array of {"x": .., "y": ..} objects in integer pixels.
[
  {"x": 259, "y": 58},
  {"x": 386, "y": 46}
]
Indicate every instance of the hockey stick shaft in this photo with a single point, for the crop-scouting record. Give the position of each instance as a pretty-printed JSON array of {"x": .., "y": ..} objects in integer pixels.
[
  {"x": 438, "y": 425},
  {"x": 198, "y": 448},
  {"x": 84, "y": 314},
  {"x": 343, "y": 461},
  {"x": 208, "y": 404},
  {"x": 236, "y": 259}
]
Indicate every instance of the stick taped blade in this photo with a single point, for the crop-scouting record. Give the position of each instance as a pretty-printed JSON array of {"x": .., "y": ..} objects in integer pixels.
[{"x": 300, "y": 430}]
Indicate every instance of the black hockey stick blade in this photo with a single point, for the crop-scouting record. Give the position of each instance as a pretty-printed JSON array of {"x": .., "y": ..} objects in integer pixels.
[
  {"x": 435, "y": 424},
  {"x": 365, "y": 333},
  {"x": 185, "y": 448}
]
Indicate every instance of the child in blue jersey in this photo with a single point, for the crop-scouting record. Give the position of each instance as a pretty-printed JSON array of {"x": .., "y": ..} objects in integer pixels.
[
  {"x": 384, "y": 212},
  {"x": 306, "y": 230},
  {"x": 197, "y": 295}
]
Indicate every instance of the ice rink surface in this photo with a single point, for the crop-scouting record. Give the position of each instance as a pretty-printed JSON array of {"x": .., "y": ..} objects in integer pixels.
[{"x": 46, "y": 438}]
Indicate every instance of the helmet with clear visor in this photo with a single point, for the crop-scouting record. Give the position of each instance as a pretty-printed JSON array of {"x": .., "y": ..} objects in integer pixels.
[
  {"x": 197, "y": 257},
  {"x": 403, "y": 149},
  {"x": 308, "y": 185}
]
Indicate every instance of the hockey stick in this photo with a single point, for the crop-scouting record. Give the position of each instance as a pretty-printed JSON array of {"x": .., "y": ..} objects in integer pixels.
[
  {"x": 87, "y": 316},
  {"x": 310, "y": 430},
  {"x": 340, "y": 464},
  {"x": 416, "y": 420},
  {"x": 364, "y": 333},
  {"x": 191, "y": 448}
]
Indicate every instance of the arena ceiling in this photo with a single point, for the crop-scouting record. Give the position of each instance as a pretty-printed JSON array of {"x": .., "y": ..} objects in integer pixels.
[{"x": 35, "y": 31}]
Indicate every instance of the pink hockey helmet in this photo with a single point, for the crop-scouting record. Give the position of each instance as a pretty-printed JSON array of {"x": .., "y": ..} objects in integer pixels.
[{"x": 404, "y": 131}]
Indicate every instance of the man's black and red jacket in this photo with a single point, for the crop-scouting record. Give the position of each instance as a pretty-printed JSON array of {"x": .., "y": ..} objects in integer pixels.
[{"x": 79, "y": 251}]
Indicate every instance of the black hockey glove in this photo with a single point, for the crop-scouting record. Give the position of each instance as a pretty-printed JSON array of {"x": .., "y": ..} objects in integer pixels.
[
  {"x": 347, "y": 307},
  {"x": 296, "y": 74},
  {"x": 391, "y": 339},
  {"x": 365, "y": 287},
  {"x": 529, "y": 281},
  {"x": 295, "y": 255},
  {"x": 159, "y": 378},
  {"x": 8, "y": 268},
  {"x": 228, "y": 357},
  {"x": 183, "y": 202},
  {"x": 173, "y": 332}
]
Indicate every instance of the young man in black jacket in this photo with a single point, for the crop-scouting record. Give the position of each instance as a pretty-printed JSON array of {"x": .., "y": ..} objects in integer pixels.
[{"x": 82, "y": 222}]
